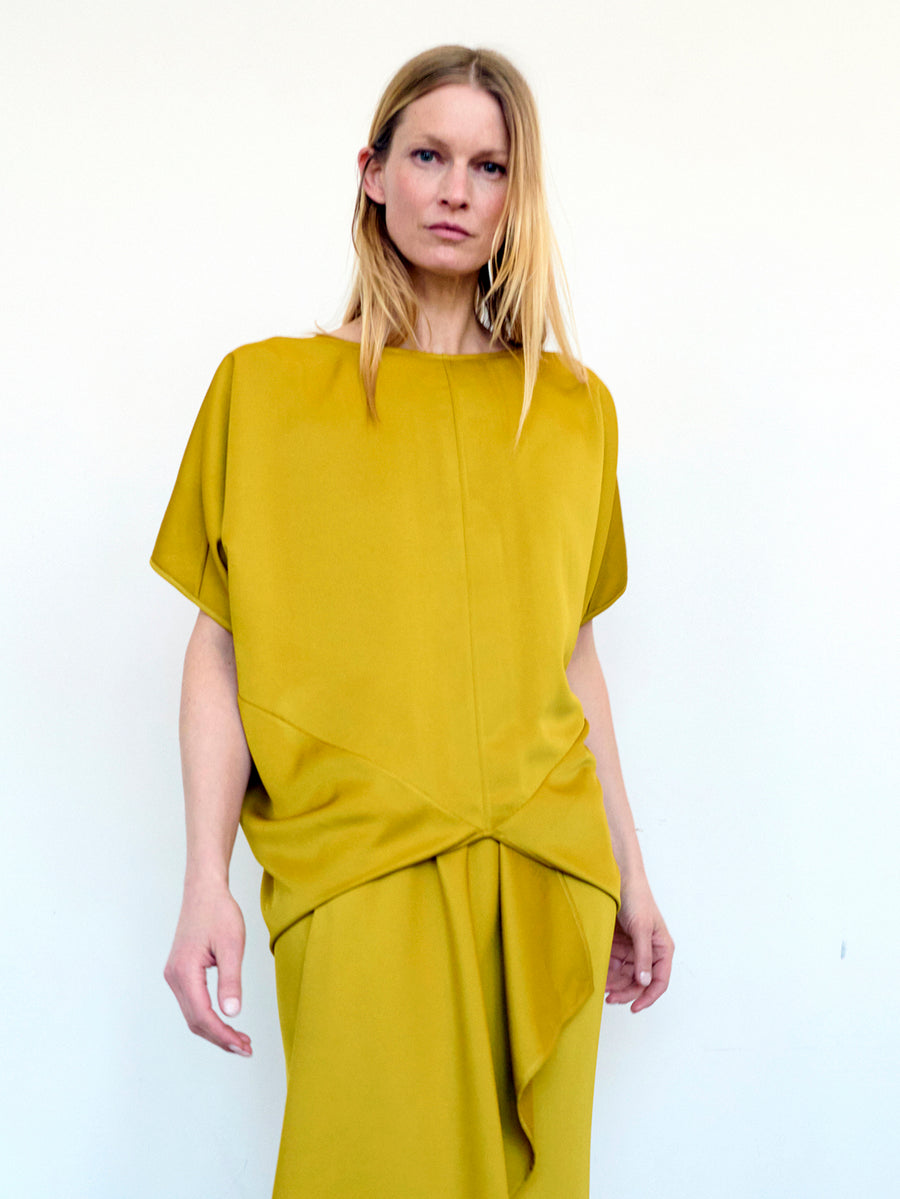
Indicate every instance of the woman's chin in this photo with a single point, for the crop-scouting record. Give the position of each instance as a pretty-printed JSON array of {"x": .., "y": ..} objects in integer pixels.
[{"x": 444, "y": 265}]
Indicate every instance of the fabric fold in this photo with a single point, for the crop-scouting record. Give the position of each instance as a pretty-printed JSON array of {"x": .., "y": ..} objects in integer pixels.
[{"x": 547, "y": 969}]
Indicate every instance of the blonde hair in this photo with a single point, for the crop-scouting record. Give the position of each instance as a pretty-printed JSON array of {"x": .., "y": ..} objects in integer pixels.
[{"x": 516, "y": 296}]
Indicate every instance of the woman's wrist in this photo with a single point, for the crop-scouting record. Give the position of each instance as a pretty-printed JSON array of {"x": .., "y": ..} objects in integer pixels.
[
  {"x": 205, "y": 876},
  {"x": 630, "y": 862}
]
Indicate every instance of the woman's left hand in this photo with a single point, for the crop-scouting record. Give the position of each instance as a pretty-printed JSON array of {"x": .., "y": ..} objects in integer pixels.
[{"x": 642, "y": 949}]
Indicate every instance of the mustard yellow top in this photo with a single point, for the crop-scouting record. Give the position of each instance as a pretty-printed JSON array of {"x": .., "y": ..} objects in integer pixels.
[{"x": 404, "y": 598}]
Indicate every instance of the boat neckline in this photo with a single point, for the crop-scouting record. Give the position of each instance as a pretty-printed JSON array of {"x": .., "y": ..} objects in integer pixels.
[{"x": 425, "y": 353}]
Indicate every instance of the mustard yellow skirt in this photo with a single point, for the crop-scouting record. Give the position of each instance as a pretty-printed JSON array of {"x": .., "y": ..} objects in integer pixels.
[{"x": 393, "y": 1014}]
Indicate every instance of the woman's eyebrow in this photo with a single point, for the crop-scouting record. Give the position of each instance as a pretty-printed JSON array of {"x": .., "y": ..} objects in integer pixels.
[{"x": 442, "y": 145}]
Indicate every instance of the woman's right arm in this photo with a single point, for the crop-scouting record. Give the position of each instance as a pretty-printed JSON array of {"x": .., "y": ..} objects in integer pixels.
[{"x": 216, "y": 768}]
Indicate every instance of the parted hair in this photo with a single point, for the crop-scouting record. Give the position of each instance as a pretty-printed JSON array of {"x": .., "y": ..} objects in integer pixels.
[{"x": 517, "y": 295}]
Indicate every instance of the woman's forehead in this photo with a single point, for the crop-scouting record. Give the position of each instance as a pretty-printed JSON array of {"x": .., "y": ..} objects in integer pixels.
[{"x": 457, "y": 114}]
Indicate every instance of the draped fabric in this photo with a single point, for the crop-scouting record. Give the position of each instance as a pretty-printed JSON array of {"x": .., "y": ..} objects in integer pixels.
[{"x": 404, "y": 596}]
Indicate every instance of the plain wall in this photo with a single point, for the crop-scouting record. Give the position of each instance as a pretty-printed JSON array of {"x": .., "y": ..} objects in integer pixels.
[{"x": 179, "y": 180}]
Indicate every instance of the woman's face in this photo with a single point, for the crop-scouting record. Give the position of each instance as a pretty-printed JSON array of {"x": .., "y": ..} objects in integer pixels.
[{"x": 446, "y": 165}]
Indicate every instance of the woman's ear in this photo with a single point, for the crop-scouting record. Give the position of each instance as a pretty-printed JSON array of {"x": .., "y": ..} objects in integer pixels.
[{"x": 372, "y": 175}]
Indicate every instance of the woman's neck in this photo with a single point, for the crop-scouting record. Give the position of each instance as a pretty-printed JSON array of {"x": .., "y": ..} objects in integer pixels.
[{"x": 446, "y": 323}]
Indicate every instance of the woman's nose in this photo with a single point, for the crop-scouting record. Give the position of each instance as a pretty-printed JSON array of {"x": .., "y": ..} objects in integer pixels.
[{"x": 455, "y": 184}]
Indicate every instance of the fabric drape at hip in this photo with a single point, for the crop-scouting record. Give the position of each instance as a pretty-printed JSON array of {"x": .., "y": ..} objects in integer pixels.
[{"x": 395, "y": 1017}]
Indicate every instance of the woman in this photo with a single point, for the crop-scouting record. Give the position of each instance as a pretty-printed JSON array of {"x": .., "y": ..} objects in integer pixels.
[{"x": 398, "y": 534}]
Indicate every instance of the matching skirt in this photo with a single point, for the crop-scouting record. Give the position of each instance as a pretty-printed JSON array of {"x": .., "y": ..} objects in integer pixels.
[{"x": 393, "y": 1013}]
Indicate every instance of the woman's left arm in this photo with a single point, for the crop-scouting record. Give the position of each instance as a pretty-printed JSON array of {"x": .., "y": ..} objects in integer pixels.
[{"x": 642, "y": 949}]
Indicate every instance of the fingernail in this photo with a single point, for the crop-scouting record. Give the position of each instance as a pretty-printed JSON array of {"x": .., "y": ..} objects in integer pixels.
[
  {"x": 231, "y": 1006},
  {"x": 645, "y": 978},
  {"x": 238, "y": 1050}
]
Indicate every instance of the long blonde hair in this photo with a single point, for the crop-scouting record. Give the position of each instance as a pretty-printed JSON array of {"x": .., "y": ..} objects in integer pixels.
[{"x": 516, "y": 295}]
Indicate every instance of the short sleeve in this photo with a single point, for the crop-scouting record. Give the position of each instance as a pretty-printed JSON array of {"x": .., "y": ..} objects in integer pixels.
[
  {"x": 190, "y": 551},
  {"x": 608, "y": 573}
]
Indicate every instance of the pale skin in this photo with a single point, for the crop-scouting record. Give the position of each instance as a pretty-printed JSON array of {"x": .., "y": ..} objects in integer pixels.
[{"x": 446, "y": 163}]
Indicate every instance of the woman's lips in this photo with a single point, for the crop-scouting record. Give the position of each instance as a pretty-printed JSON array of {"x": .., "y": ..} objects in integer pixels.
[{"x": 452, "y": 231}]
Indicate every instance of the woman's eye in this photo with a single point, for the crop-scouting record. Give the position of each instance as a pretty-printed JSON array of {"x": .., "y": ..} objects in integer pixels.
[
  {"x": 417, "y": 152},
  {"x": 497, "y": 168}
]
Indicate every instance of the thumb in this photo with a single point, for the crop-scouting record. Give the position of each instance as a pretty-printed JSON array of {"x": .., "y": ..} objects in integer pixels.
[{"x": 228, "y": 967}]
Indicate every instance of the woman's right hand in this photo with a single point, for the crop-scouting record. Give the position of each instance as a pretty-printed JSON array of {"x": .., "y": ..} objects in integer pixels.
[{"x": 210, "y": 932}]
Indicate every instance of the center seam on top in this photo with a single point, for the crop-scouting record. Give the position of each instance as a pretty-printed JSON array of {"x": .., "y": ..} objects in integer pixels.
[{"x": 463, "y": 487}]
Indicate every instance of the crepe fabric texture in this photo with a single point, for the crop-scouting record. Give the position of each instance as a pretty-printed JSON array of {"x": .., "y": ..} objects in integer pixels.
[{"x": 438, "y": 880}]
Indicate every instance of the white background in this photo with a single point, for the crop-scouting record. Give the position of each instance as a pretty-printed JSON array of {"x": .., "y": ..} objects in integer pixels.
[{"x": 724, "y": 184}]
